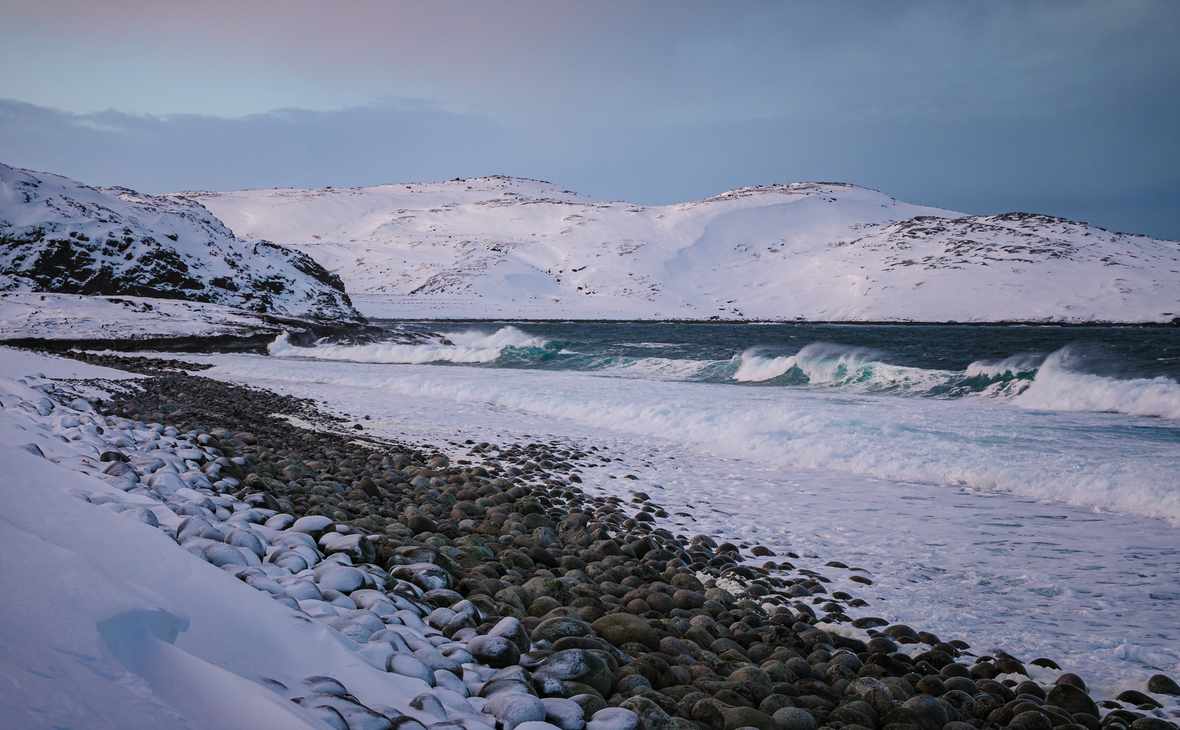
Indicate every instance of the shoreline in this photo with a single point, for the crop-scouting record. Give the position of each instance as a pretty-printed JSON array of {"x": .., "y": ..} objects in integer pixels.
[
  {"x": 307, "y": 332},
  {"x": 393, "y": 501}
]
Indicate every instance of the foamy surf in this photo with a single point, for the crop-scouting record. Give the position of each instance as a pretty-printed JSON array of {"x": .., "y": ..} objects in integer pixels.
[
  {"x": 1057, "y": 388},
  {"x": 977, "y": 443},
  {"x": 1030, "y": 381},
  {"x": 469, "y": 347}
]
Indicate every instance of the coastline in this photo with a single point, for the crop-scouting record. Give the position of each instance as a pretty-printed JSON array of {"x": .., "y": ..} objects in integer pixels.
[{"x": 393, "y": 502}]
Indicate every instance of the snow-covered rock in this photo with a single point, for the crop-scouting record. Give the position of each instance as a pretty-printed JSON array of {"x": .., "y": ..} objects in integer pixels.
[
  {"x": 504, "y": 247},
  {"x": 58, "y": 235},
  {"x": 78, "y": 317}
]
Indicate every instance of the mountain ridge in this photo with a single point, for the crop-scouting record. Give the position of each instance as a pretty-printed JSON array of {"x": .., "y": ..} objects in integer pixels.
[{"x": 502, "y": 247}]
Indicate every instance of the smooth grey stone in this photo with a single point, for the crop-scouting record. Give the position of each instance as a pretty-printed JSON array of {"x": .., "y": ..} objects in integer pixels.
[
  {"x": 513, "y": 630},
  {"x": 494, "y": 651}
]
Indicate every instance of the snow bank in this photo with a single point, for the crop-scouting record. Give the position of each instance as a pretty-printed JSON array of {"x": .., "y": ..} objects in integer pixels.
[
  {"x": 108, "y": 622},
  {"x": 77, "y": 317}
]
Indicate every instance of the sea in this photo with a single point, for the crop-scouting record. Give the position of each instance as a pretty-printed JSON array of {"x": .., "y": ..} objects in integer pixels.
[{"x": 1015, "y": 487}]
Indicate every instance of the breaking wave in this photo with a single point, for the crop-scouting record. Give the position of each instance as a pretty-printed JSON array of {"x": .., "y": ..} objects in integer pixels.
[
  {"x": 1058, "y": 388},
  {"x": 861, "y": 370},
  {"x": 468, "y": 347},
  {"x": 1055, "y": 383}
]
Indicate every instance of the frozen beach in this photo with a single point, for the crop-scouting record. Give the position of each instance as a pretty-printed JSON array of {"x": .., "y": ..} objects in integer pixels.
[
  {"x": 1022, "y": 503},
  {"x": 1013, "y": 511}
]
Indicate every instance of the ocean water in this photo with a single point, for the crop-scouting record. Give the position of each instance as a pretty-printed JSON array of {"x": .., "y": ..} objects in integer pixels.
[
  {"x": 1088, "y": 417},
  {"x": 1015, "y": 487}
]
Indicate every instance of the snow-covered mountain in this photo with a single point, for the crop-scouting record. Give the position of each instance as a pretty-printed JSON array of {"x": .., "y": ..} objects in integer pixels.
[
  {"x": 506, "y": 247},
  {"x": 58, "y": 235}
]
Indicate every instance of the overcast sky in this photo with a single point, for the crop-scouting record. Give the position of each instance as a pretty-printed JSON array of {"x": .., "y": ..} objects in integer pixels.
[{"x": 1066, "y": 108}]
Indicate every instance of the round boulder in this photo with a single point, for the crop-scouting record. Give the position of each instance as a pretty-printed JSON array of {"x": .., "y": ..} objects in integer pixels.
[
  {"x": 560, "y": 627},
  {"x": 314, "y": 525},
  {"x": 513, "y": 630},
  {"x": 357, "y": 547},
  {"x": 494, "y": 651},
  {"x": 736, "y": 717},
  {"x": 625, "y": 628},
  {"x": 1162, "y": 684},
  {"x": 1032, "y": 720},
  {"x": 590, "y": 704},
  {"x": 427, "y": 576},
  {"x": 1072, "y": 699},
  {"x": 577, "y": 665},
  {"x": 794, "y": 718}
]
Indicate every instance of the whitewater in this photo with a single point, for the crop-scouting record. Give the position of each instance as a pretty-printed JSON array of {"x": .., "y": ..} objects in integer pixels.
[
  {"x": 1013, "y": 487},
  {"x": 1027, "y": 425}
]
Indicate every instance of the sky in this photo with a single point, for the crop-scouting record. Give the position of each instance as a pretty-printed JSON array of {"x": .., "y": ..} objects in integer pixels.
[{"x": 1063, "y": 108}]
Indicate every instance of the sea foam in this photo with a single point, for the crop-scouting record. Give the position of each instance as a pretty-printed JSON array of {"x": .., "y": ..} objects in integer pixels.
[
  {"x": 1058, "y": 388},
  {"x": 471, "y": 347}
]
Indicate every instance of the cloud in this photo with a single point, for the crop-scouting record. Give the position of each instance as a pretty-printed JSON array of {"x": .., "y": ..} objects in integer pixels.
[
  {"x": 652, "y": 62},
  {"x": 1060, "y": 107}
]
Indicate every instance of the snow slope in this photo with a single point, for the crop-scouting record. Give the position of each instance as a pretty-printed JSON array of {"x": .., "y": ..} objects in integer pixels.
[
  {"x": 58, "y": 235},
  {"x": 506, "y": 247},
  {"x": 108, "y": 622},
  {"x": 77, "y": 317}
]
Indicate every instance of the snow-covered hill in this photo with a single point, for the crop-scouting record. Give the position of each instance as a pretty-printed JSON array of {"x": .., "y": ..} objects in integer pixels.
[
  {"x": 58, "y": 235},
  {"x": 505, "y": 247}
]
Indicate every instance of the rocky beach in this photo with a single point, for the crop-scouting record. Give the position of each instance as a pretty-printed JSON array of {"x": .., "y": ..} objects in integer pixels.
[{"x": 496, "y": 592}]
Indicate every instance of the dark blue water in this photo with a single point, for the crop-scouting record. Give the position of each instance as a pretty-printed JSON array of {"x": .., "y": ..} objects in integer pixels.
[{"x": 1116, "y": 352}]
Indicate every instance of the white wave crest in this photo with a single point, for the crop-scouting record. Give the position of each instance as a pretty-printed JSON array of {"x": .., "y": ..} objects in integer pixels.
[
  {"x": 756, "y": 368},
  {"x": 504, "y": 337},
  {"x": 466, "y": 347},
  {"x": 1013, "y": 366},
  {"x": 1057, "y": 388},
  {"x": 833, "y": 365}
]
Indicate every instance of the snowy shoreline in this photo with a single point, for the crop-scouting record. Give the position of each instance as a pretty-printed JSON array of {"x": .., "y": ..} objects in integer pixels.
[{"x": 771, "y": 601}]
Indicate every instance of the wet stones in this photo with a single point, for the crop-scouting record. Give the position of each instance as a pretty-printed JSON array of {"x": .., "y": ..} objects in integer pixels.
[
  {"x": 564, "y": 713},
  {"x": 1071, "y": 699},
  {"x": 315, "y": 526},
  {"x": 426, "y": 576},
  {"x": 1163, "y": 684},
  {"x": 408, "y": 665}
]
